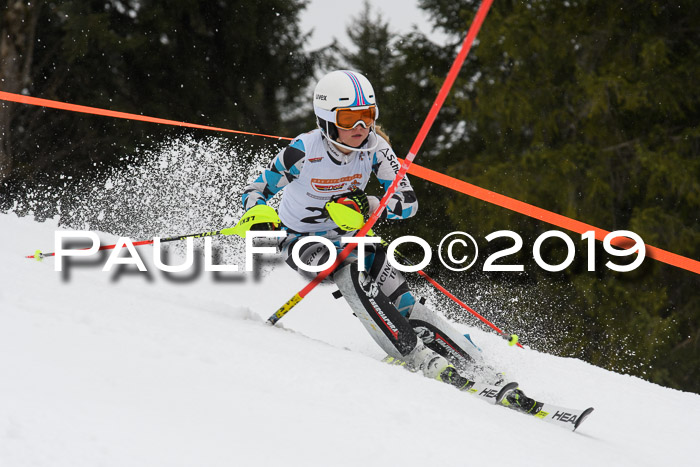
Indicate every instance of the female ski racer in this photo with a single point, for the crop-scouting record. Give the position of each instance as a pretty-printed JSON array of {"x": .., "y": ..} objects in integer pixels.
[{"x": 329, "y": 167}]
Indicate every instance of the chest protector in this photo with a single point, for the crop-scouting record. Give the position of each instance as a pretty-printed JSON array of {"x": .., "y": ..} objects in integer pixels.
[{"x": 303, "y": 200}]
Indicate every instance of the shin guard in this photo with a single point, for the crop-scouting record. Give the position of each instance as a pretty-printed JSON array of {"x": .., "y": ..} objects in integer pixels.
[{"x": 389, "y": 328}]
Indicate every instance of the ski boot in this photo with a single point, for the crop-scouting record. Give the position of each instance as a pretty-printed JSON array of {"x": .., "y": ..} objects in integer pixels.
[
  {"x": 517, "y": 400},
  {"x": 421, "y": 359},
  {"x": 432, "y": 365}
]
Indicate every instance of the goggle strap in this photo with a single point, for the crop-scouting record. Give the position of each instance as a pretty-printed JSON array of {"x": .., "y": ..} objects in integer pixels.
[{"x": 327, "y": 115}]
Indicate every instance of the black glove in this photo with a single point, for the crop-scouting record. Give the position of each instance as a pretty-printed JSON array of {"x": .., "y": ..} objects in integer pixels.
[
  {"x": 264, "y": 226},
  {"x": 356, "y": 199}
]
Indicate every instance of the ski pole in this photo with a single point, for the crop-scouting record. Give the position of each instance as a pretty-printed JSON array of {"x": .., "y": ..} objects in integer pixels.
[
  {"x": 38, "y": 255},
  {"x": 260, "y": 214},
  {"x": 511, "y": 338},
  {"x": 420, "y": 138}
]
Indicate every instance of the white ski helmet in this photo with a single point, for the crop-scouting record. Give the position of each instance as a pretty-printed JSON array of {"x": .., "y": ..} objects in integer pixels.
[{"x": 344, "y": 90}]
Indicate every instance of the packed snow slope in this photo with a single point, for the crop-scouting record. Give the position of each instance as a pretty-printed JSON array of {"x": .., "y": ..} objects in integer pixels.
[{"x": 134, "y": 369}]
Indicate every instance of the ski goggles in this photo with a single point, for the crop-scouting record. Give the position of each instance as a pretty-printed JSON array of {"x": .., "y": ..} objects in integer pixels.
[{"x": 349, "y": 118}]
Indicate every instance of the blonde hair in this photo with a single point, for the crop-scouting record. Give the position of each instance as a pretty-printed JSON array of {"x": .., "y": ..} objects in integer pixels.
[{"x": 380, "y": 131}]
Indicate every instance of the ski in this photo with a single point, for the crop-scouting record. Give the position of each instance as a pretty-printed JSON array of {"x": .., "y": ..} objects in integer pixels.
[
  {"x": 488, "y": 392},
  {"x": 561, "y": 416}
]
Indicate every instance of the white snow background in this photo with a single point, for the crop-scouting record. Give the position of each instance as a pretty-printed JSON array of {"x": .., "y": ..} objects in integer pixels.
[{"x": 133, "y": 369}]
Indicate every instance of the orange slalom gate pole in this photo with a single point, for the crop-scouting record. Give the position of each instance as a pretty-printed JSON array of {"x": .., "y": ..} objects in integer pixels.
[
  {"x": 423, "y": 132},
  {"x": 550, "y": 217},
  {"x": 459, "y": 302},
  {"x": 21, "y": 99},
  {"x": 511, "y": 338},
  {"x": 452, "y": 183}
]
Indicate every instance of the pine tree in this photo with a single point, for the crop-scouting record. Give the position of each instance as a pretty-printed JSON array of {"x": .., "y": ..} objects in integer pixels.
[
  {"x": 589, "y": 109},
  {"x": 233, "y": 64}
]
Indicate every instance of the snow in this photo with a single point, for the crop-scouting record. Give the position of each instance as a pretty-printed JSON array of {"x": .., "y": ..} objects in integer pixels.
[{"x": 134, "y": 369}]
